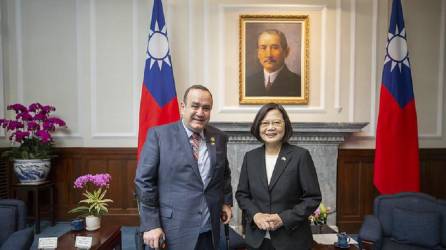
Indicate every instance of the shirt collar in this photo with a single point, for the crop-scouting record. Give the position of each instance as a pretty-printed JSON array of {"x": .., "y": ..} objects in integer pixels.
[
  {"x": 190, "y": 132},
  {"x": 272, "y": 76}
]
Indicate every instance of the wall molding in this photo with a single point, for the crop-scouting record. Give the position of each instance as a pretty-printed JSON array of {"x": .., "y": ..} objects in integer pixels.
[
  {"x": 323, "y": 74},
  {"x": 20, "y": 70},
  {"x": 135, "y": 91},
  {"x": 441, "y": 68},
  {"x": 190, "y": 49},
  {"x": 2, "y": 81},
  {"x": 221, "y": 107},
  {"x": 206, "y": 54},
  {"x": 351, "y": 97},
  {"x": 438, "y": 133},
  {"x": 337, "y": 88},
  {"x": 93, "y": 70},
  {"x": 371, "y": 130},
  {"x": 19, "y": 49},
  {"x": 93, "y": 79},
  {"x": 78, "y": 81},
  {"x": 375, "y": 85},
  {"x": 88, "y": 55},
  {"x": 305, "y": 132}
]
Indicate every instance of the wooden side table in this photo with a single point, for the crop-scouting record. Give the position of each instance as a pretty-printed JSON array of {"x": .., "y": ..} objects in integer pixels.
[
  {"x": 35, "y": 189},
  {"x": 105, "y": 238},
  {"x": 325, "y": 229},
  {"x": 322, "y": 229}
]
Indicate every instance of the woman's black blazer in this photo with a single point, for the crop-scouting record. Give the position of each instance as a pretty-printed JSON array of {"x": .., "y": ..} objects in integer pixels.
[{"x": 293, "y": 193}]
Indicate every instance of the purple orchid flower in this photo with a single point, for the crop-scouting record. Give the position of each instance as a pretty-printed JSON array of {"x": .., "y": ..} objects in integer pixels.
[
  {"x": 44, "y": 136},
  {"x": 317, "y": 212},
  {"x": 47, "y": 109},
  {"x": 48, "y": 126},
  {"x": 3, "y": 123},
  {"x": 18, "y": 108},
  {"x": 34, "y": 107},
  {"x": 57, "y": 121},
  {"x": 26, "y": 116},
  {"x": 13, "y": 125},
  {"x": 33, "y": 126},
  {"x": 20, "y": 135},
  {"x": 99, "y": 180},
  {"x": 41, "y": 116},
  {"x": 32, "y": 123}
]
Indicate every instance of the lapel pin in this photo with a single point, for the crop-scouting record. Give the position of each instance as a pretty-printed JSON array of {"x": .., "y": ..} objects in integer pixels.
[
  {"x": 212, "y": 140},
  {"x": 283, "y": 158}
]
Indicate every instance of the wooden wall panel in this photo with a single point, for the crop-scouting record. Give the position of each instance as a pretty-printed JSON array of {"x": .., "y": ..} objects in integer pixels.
[
  {"x": 4, "y": 179},
  {"x": 354, "y": 185},
  {"x": 119, "y": 162},
  {"x": 356, "y": 191},
  {"x": 5, "y": 175},
  {"x": 433, "y": 172}
]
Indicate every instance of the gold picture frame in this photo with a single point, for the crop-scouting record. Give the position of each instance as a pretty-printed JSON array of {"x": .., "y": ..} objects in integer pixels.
[{"x": 261, "y": 57}]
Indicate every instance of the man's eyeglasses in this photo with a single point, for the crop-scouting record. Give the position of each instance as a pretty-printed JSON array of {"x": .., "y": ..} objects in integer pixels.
[{"x": 274, "y": 123}]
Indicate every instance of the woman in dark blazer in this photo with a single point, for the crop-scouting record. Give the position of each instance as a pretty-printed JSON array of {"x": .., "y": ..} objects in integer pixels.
[{"x": 278, "y": 187}]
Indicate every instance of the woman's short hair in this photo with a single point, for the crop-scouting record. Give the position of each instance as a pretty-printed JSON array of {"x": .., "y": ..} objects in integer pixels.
[{"x": 255, "y": 127}]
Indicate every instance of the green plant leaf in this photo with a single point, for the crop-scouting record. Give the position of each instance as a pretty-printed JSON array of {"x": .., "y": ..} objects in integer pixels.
[
  {"x": 95, "y": 202},
  {"x": 80, "y": 209},
  {"x": 31, "y": 148}
]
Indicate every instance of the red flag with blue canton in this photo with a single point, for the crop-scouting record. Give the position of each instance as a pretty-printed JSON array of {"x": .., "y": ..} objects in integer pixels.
[
  {"x": 159, "y": 103},
  {"x": 396, "y": 158}
]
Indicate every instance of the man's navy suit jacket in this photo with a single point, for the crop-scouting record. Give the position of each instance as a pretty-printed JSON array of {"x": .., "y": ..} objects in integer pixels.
[{"x": 170, "y": 188}]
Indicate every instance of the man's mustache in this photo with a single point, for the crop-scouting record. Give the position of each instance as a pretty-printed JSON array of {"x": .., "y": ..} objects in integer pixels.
[{"x": 269, "y": 60}]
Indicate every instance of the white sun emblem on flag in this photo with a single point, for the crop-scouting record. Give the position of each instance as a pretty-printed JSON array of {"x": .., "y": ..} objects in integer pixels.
[
  {"x": 397, "y": 49},
  {"x": 158, "y": 47}
]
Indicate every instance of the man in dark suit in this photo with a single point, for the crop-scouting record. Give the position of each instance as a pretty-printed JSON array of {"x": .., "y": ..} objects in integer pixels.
[
  {"x": 183, "y": 180},
  {"x": 275, "y": 79}
]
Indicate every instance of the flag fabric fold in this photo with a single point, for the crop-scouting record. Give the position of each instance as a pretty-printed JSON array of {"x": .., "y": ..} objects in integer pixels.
[
  {"x": 396, "y": 166},
  {"x": 159, "y": 103}
]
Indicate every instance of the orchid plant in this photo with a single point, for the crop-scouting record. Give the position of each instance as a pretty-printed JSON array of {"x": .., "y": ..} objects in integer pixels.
[
  {"x": 320, "y": 215},
  {"x": 31, "y": 131},
  {"x": 95, "y": 204}
]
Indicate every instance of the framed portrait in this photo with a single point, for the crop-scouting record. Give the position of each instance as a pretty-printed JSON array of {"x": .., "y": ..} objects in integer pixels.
[{"x": 274, "y": 59}]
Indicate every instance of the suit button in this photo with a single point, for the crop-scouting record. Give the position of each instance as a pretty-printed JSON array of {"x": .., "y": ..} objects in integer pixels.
[{"x": 199, "y": 212}]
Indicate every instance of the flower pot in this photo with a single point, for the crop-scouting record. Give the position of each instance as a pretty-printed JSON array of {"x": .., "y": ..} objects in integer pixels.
[
  {"x": 92, "y": 222},
  {"x": 32, "y": 172}
]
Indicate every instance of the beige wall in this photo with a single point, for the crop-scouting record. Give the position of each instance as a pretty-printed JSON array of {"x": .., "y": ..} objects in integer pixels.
[{"x": 87, "y": 58}]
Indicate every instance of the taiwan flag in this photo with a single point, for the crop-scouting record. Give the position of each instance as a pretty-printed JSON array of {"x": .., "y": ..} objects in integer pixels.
[
  {"x": 396, "y": 159},
  {"x": 159, "y": 103}
]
